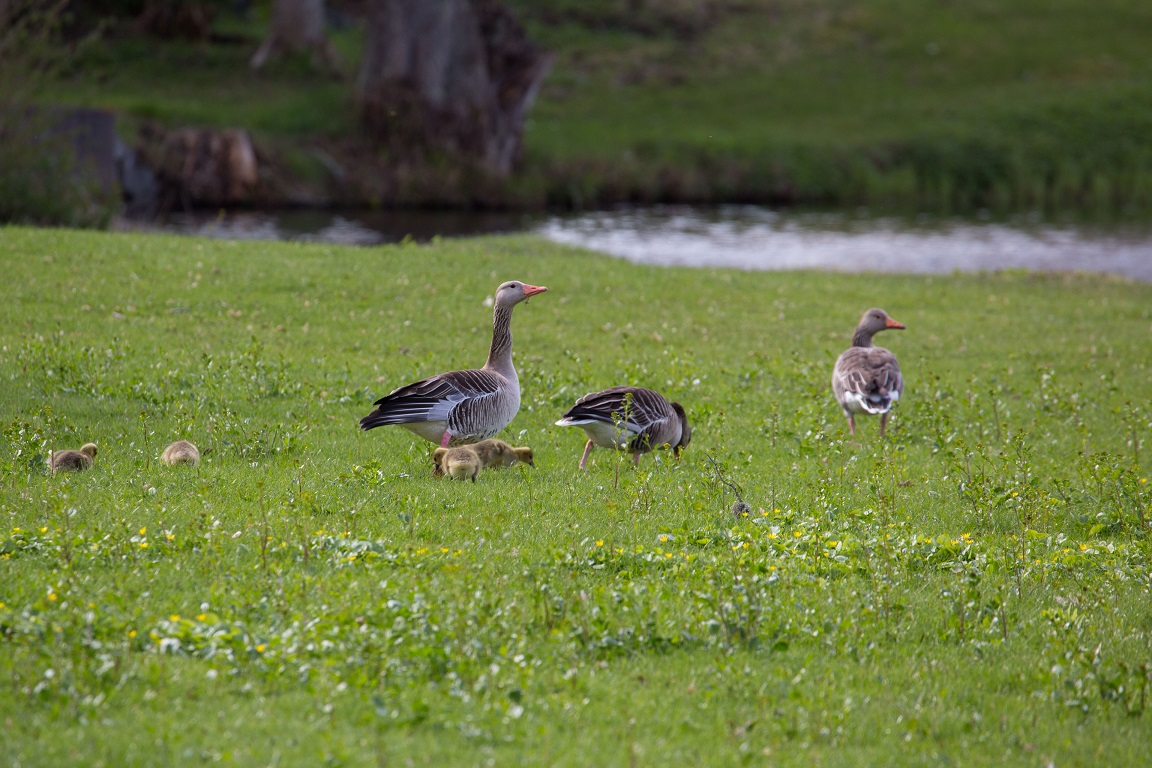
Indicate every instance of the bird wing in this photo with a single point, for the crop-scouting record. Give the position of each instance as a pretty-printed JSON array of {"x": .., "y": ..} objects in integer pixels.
[
  {"x": 436, "y": 398},
  {"x": 869, "y": 376},
  {"x": 636, "y": 409}
]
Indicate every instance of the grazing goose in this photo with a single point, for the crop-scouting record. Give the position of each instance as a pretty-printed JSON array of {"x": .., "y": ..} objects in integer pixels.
[
  {"x": 867, "y": 379},
  {"x": 181, "y": 452},
  {"x": 74, "y": 461},
  {"x": 497, "y": 453},
  {"x": 460, "y": 463},
  {"x": 460, "y": 407},
  {"x": 632, "y": 419}
]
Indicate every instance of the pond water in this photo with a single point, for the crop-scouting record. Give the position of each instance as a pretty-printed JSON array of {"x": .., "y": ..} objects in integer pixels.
[{"x": 741, "y": 237}]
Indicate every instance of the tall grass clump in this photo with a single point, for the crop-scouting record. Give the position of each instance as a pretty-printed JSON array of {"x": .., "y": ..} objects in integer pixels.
[{"x": 41, "y": 178}]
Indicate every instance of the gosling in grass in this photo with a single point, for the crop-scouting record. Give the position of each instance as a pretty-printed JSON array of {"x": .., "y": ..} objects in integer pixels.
[
  {"x": 181, "y": 452},
  {"x": 458, "y": 463},
  {"x": 497, "y": 453},
  {"x": 74, "y": 461}
]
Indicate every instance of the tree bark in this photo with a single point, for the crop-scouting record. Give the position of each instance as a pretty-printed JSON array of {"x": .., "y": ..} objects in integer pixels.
[
  {"x": 297, "y": 26},
  {"x": 449, "y": 75}
]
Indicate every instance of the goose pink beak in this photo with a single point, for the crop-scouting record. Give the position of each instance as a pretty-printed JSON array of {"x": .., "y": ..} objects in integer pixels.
[
  {"x": 532, "y": 290},
  {"x": 890, "y": 323}
]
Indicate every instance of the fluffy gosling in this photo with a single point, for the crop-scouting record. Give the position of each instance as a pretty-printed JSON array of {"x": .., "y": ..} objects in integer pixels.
[
  {"x": 74, "y": 461},
  {"x": 181, "y": 452},
  {"x": 497, "y": 453},
  {"x": 459, "y": 463}
]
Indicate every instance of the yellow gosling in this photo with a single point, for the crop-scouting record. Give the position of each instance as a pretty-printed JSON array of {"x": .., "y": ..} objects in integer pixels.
[
  {"x": 181, "y": 452},
  {"x": 497, "y": 453},
  {"x": 458, "y": 463},
  {"x": 74, "y": 461}
]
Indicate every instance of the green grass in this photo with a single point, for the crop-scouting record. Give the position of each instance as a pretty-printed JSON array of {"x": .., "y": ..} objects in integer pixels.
[{"x": 973, "y": 590}]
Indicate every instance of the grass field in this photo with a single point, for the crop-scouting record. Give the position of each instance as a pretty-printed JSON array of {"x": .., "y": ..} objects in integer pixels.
[
  {"x": 972, "y": 590},
  {"x": 953, "y": 106}
]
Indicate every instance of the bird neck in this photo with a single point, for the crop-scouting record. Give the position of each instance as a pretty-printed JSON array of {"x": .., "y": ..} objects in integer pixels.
[
  {"x": 862, "y": 337},
  {"x": 500, "y": 354}
]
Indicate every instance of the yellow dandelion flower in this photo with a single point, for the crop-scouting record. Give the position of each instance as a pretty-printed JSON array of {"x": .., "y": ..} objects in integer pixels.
[
  {"x": 599, "y": 542},
  {"x": 52, "y": 596},
  {"x": 444, "y": 549},
  {"x": 201, "y": 616},
  {"x": 1, "y": 605},
  {"x": 174, "y": 617},
  {"x": 771, "y": 535},
  {"x": 170, "y": 536},
  {"x": 131, "y": 634},
  {"x": 143, "y": 530},
  {"x": 1014, "y": 494},
  {"x": 143, "y": 545},
  {"x": 260, "y": 648},
  {"x": 797, "y": 534},
  {"x": 44, "y": 529},
  {"x": 668, "y": 554},
  {"x": 422, "y": 550}
]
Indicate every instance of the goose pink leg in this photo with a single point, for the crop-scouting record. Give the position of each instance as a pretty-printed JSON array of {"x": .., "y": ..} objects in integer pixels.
[
  {"x": 587, "y": 450},
  {"x": 445, "y": 439}
]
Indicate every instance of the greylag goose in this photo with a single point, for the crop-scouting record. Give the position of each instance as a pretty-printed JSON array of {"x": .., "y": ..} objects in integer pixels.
[
  {"x": 181, "y": 452},
  {"x": 632, "y": 419},
  {"x": 460, "y": 463},
  {"x": 74, "y": 461},
  {"x": 460, "y": 407},
  {"x": 867, "y": 379},
  {"x": 497, "y": 453}
]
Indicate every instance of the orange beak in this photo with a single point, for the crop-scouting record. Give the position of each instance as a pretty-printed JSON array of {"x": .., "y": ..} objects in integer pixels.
[
  {"x": 532, "y": 290},
  {"x": 893, "y": 324}
]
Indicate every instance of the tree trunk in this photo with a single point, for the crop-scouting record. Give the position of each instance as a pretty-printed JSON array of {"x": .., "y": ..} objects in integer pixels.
[
  {"x": 297, "y": 26},
  {"x": 449, "y": 75}
]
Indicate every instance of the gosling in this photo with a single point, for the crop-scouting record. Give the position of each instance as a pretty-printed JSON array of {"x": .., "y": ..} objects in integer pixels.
[
  {"x": 74, "y": 461},
  {"x": 497, "y": 453},
  {"x": 181, "y": 452},
  {"x": 459, "y": 463}
]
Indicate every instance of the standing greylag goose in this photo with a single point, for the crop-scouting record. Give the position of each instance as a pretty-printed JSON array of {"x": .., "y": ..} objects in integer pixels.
[
  {"x": 461, "y": 407},
  {"x": 181, "y": 452},
  {"x": 74, "y": 461},
  {"x": 632, "y": 419},
  {"x": 867, "y": 379},
  {"x": 459, "y": 463}
]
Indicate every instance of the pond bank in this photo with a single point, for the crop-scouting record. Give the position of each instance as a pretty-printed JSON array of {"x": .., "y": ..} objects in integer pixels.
[{"x": 740, "y": 237}]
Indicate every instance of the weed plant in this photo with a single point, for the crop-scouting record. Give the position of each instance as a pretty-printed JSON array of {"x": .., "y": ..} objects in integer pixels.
[{"x": 973, "y": 589}]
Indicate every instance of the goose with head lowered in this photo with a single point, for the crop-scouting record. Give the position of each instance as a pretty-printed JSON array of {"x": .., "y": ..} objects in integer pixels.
[
  {"x": 632, "y": 419},
  {"x": 460, "y": 407},
  {"x": 867, "y": 378}
]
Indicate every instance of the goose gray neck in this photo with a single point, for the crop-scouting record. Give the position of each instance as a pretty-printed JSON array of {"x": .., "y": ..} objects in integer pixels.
[
  {"x": 500, "y": 355},
  {"x": 862, "y": 337}
]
